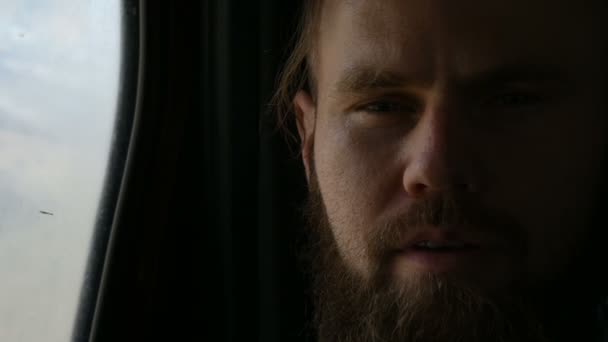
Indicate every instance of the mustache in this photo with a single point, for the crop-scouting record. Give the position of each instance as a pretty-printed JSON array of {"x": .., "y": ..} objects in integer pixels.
[{"x": 464, "y": 214}]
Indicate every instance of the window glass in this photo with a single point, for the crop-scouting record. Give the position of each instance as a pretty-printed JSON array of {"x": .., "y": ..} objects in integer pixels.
[{"x": 59, "y": 78}]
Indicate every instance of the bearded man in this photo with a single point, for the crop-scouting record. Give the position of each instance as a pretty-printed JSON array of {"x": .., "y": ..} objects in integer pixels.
[{"x": 454, "y": 153}]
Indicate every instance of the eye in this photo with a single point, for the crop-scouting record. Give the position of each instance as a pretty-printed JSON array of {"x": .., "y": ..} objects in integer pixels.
[
  {"x": 387, "y": 107},
  {"x": 385, "y": 113},
  {"x": 382, "y": 107},
  {"x": 516, "y": 100}
]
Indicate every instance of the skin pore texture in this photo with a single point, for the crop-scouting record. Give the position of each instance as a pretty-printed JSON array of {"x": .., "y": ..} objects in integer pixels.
[{"x": 481, "y": 122}]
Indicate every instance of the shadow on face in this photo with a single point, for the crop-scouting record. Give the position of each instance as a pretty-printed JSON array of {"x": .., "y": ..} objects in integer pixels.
[{"x": 495, "y": 103}]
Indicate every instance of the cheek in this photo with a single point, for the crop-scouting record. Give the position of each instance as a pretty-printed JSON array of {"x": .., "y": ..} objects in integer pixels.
[
  {"x": 355, "y": 179},
  {"x": 548, "y": 178}
]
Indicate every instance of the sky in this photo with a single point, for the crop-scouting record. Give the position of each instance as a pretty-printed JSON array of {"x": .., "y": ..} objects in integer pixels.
[{"x": 59, "y": 81}]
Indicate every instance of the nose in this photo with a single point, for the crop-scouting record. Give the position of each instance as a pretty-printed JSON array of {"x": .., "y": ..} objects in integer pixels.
[{"x": 438, "y": 155}]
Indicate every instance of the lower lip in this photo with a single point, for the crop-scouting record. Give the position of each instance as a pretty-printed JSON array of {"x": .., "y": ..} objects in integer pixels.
[{"x": 442, "y": 260}]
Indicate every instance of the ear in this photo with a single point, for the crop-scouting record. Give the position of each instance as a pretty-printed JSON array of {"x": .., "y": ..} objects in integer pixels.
[{"x": 305, "y": 119}]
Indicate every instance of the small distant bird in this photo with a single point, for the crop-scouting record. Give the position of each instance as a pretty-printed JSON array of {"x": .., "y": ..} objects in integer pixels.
[{"x": 46, "y": 213}]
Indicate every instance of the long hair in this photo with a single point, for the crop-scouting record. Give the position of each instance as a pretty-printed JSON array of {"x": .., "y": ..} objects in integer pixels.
[{"x": 296, "y": 73}]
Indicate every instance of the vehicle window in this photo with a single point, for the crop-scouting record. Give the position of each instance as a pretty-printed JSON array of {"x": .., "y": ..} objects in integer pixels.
[{"x": 59, "y": 78}]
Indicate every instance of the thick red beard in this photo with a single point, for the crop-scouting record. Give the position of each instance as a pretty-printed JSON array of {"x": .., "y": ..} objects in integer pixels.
[{"x": 430, "y": 307}]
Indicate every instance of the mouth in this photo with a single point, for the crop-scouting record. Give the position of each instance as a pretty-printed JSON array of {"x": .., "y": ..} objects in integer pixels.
[
  {"x": 443, "y": 246},
  {"x": 441, "y": 257},
  {"x": 439, "y": 253}
]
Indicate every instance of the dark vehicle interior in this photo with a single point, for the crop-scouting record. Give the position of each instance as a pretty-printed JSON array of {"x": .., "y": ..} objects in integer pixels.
[{"x": 196, "y": 234}]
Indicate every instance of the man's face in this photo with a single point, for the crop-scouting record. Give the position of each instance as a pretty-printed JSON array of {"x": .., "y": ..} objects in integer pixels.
[{"x": 477, "y": 126}]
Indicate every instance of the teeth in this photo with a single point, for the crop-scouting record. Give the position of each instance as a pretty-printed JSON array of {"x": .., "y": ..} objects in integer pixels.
[{"x": 444, "y": 244}]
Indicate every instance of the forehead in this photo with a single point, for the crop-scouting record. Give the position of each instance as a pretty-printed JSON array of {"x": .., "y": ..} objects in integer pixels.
[{"x": 427, "y": 37}]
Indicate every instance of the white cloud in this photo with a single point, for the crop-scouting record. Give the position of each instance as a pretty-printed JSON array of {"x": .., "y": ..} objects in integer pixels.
[{"x": 59, "y": 64}]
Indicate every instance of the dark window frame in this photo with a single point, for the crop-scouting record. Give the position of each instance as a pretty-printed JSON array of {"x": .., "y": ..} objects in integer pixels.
[
  {"x": 204, "y": 222},
  {"x": 115, "y": 183}
]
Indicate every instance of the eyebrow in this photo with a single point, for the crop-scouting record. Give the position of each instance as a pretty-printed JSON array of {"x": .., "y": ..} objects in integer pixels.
[
  {"x": 520, "y": 73},
  {"x": 362, "y": 79}
]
